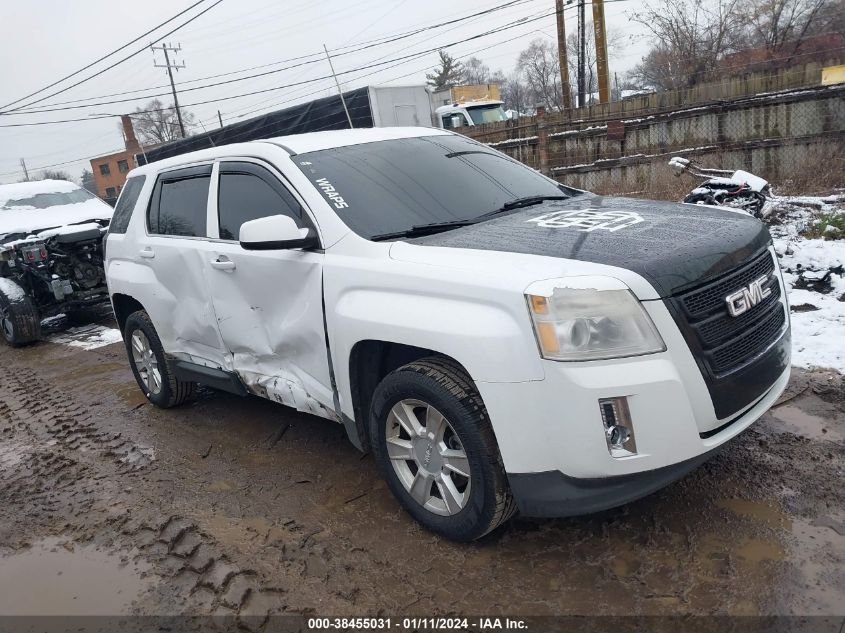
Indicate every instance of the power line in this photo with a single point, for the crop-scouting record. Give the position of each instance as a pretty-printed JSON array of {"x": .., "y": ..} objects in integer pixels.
[
  {"x": 97, "y": 61},
  {"x": 499, "y": 29},
  {"x": 318, "y": 58},
  {"x": 117, "y": 63},
  {"x": 416, "y": 71},
  {"x": 164, "y": 48}
]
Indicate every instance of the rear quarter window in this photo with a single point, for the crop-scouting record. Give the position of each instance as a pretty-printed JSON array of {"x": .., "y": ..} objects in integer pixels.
[
  {"x": 126, "y": 204},
  {"x": 178, "y": 206}
]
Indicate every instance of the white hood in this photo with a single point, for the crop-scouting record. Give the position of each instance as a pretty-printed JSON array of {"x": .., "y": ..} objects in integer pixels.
[{"x": 27, "y": 219}]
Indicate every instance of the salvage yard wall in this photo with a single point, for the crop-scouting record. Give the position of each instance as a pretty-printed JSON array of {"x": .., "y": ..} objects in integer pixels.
[{"x": 784, "y": 136}]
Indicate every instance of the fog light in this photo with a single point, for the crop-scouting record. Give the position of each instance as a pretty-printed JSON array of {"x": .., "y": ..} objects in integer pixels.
[{"x": 618, "y": 427}]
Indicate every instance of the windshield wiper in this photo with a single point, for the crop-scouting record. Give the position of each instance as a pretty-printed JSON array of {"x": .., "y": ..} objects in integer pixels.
[
  {"x": 519, "y": 203},
  {"x": 419, "y": 230}
]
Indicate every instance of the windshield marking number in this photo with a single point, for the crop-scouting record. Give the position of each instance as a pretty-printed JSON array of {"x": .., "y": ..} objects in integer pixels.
[
  {"x": 588, "y": 220},
  {"x": 332, "y": 194}
]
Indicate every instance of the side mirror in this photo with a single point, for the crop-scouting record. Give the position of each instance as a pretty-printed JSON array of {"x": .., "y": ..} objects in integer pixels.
[
  {"x": 275, "y": 232},
  {"x": 457, "y": 121}
]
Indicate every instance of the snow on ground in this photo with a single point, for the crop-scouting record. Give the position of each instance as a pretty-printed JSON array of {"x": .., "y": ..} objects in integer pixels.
[
  {"x": 87, "y": 337},
  {"x": 814, "y": 272}
]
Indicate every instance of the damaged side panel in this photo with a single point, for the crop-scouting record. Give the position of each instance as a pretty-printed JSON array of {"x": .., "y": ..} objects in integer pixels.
[
  {"x": 287, "y": 390},
  {"x": 270, "y": 316}
]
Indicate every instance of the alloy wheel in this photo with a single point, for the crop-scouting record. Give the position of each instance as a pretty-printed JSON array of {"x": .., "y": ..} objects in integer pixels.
[
  {"x": 146, "y": 362},
  {"x": 428, "y": 457}
]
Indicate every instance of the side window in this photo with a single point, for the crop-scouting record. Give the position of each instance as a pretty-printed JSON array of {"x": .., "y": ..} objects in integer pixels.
[
  {"x": 179, "y": 203},
  {"x": 126, "y": 204},
  {"x": 452, "y": 121},
  {"x": 247, "y": 192}
]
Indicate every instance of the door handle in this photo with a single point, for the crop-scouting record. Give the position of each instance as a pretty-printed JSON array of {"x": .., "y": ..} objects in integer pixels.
[
  {"x": 147, "y": 253},
  {"x": 223, "y": 263}
]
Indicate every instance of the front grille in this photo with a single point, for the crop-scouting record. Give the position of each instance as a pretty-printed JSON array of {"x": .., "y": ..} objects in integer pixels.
[
  {"x": 724, "y": 343},
  {"x": 705, "y": 300},
  {"x": 748, "y": 344}
]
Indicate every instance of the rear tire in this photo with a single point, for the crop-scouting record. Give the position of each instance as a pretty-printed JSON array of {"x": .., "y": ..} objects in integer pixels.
[
  {"x": 149, "y": 363},
  {"x": 20, "y": 323},
  {"x": 428, "y": 426}
]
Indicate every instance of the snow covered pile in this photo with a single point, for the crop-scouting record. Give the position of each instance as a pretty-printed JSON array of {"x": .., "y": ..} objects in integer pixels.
[{"x": 812, "y": 256}]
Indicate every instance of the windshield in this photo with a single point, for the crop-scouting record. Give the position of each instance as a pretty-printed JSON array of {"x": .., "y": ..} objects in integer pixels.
[
  {"x": 487, "y": 114},
  {"x": 51, "y": 199},
  {"x": 391, "y": 186}
]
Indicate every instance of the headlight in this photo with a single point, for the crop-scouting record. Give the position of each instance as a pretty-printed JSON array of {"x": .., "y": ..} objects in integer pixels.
[{"x": 592, "y": 324}]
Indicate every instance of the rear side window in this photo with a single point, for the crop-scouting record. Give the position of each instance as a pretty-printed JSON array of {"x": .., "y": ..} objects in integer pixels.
[
  {"x": 179, "y": 203},
  {"x": 247, "y": 192},
  {"x": 126, "y": 204}
]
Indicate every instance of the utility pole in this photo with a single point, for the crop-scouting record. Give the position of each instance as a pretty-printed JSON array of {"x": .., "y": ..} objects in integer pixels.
[
  {"x": 601, "y": 51},
  {"x": 561, "y": 54},
  {"x": 220, "y": 118},
  {"x": 582, "y": 53},
  {"x": 339, "y": 91},
  {"x": 25, "y": 172},
  {"x": 166, "y": 49}
]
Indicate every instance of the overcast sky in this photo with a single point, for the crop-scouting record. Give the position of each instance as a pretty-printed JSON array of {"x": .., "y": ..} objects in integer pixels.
[{"x": 43, "y": 41}]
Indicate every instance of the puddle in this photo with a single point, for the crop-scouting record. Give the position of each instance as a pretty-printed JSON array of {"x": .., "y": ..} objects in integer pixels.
[
  {"x": 794, "y": 420},
  {"x": 758, "y": 510},
  {"x": 132, "y": 395},
  {"x": 49, "y": 579}
]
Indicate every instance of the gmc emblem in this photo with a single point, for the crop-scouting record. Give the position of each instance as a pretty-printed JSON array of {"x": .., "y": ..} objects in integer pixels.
[{"x": 743, "y": 300}]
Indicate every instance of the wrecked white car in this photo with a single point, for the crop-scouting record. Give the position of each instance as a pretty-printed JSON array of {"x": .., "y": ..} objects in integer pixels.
[
  {"x": 499, "y": 341},
  {"x": 51, "y": 258}
]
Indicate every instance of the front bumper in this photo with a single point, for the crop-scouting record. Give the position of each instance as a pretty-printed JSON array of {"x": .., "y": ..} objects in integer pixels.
[
  {"x": 551, "y": 436},
  {"x": 553, "y": 494}
]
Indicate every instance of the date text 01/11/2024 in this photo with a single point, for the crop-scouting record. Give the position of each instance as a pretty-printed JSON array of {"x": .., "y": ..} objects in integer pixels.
[{"x": 418, "y": 624}]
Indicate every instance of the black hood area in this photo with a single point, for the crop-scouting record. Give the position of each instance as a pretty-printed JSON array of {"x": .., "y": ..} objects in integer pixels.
[{"x": 672, "y": 245}]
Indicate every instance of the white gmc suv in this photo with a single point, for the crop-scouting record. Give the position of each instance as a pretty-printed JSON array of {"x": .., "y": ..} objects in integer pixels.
[{"x": 499, "y": 341}]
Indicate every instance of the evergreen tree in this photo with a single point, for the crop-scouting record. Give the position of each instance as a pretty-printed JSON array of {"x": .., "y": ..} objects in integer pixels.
[{"x": 449, "y": 73}]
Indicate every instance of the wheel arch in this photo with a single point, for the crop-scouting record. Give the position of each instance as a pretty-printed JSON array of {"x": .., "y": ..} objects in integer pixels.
[
  {"x": 369, "y": 362},
  {"x": 124, "y": 305}
]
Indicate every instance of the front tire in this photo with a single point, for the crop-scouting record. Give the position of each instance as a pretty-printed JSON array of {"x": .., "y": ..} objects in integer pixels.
[
  {"x": 149, "y": 363},
  {"x": 20, "y": 323},
  {"x": 434, "y": 444}
]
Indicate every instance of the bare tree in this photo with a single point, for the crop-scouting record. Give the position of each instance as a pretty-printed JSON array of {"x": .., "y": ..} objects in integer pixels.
[
  {"x": 515, "y": 94},
  {"x": 692, "y": 37},
  {"x": 781, "y": 25},
  {"x": 449, "y": 73},
  {"x": 477, "y": 72},
  {"x": 55, "y": 174},
  {"x": 157, "y": 123},
  {"x": 538, "y": 65}
]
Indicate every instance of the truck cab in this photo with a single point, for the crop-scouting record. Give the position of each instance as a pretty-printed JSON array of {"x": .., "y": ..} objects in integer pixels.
[{"x": 458, "y": 115}]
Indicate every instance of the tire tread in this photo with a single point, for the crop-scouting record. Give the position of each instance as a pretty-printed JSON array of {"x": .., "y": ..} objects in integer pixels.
[
  {"x": 25, "y": 318},
  {"x": 179, "y": 390},
  {"x": 452, "y": 377}
]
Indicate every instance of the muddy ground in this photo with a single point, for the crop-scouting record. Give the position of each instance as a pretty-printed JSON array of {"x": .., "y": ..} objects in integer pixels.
[{"x": 239, "y": 506}]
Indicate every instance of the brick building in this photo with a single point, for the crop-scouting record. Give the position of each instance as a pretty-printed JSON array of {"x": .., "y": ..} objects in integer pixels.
[{"x": 110, "y": 170}]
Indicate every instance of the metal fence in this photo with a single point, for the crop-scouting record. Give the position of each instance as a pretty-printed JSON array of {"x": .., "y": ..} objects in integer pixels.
[{"x": 795, "y": 138}]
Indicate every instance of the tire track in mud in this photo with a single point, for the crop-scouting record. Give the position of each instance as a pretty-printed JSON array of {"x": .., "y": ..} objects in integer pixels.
[
  {"x": 67, "y": 423},
  {"x": 57, "y": 465}
]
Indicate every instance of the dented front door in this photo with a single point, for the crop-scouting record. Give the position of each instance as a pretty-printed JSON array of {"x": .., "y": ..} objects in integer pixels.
[{"x": 268, "y": 304}]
